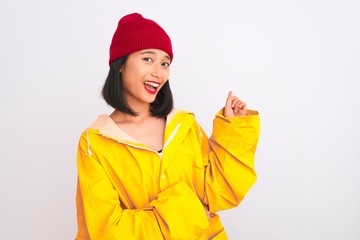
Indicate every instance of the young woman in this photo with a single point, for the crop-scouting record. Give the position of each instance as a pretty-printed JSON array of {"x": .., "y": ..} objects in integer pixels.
[{"x": 148, "y": 171}]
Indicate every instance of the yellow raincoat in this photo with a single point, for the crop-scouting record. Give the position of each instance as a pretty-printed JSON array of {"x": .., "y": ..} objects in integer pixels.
[{"x": 128, "y": 191}]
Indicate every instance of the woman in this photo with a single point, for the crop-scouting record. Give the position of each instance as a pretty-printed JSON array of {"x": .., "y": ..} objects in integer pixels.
[{"x": 148, "y": 171}]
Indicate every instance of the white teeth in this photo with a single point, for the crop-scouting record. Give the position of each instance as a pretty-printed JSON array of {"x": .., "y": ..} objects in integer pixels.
[{"x": 155, "y": 85}]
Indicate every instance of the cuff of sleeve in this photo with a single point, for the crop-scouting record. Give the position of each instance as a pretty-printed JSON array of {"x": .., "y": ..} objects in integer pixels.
[
  {"x": 237, "y": 135},
  {"x": 249, "y": 117}
]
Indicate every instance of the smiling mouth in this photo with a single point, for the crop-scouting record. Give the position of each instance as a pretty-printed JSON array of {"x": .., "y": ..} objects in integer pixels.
[{"x": 151, "y": 87}]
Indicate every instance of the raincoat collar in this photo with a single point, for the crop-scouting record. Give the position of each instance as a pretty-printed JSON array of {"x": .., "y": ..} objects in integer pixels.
[{"x": 175, "y": 121}]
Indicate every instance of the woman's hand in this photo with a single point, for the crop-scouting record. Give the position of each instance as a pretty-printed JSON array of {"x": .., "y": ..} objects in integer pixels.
[
  {"x": 208, "y": 213},
  {"x": 234, "y": 107}
]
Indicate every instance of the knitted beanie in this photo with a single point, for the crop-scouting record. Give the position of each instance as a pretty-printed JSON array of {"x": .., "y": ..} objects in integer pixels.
[{"x": 134, "y": 33}]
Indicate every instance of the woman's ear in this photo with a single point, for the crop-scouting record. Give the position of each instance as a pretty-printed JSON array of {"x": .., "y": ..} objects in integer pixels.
[{"x": 122, "y": 68}]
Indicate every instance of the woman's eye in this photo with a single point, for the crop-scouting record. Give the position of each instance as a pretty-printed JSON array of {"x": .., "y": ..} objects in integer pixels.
[
  {"x": 165, "y": 64},
  {"x": 147, "y": 59}
]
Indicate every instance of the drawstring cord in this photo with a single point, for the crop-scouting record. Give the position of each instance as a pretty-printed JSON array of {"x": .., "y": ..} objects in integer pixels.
[
  {"x": 172, "y": 135},
  {"x": 88, "y": 142},
  {"x": 201, "y": 135}
]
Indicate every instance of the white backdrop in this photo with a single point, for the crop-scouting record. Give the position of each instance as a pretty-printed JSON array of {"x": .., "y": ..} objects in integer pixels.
[{"x": 297, "y": 62}]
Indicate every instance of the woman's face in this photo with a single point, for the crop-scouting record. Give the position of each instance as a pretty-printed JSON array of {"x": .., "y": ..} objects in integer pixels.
[{"x": 144, "y": 74}]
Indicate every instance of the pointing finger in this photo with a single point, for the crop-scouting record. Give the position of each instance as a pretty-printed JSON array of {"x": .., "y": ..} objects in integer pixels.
[{"x": 229, "y": 98}]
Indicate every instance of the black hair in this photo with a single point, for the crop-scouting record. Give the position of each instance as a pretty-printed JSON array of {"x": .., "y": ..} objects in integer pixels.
[{"x": 113, "y": 93}]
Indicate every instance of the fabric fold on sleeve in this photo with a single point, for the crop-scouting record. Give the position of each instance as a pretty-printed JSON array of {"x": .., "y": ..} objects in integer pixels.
[
  {"x": 181, "y": 207},
  {"x": 230, "y": 168}
]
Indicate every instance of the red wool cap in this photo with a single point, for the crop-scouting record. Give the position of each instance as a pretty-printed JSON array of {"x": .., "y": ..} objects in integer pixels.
[{"x": 134, "y": 33}]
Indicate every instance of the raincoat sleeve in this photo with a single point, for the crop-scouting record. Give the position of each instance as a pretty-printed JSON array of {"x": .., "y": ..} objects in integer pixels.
[
  {"x": 101, "y": 216},
  {"x": 229, "y": 159}
]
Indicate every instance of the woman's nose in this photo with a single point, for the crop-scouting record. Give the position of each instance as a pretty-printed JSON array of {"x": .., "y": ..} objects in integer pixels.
[{"x": 157, "y": 72}]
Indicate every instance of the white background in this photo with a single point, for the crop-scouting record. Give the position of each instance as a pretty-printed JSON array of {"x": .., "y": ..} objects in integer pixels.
[{"x": 297, "y": 62}]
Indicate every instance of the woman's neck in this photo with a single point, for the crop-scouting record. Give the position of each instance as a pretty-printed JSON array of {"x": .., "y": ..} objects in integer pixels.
[
  {"x": 144, "y": 128},
  {"x": 121, "y": 117}
]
